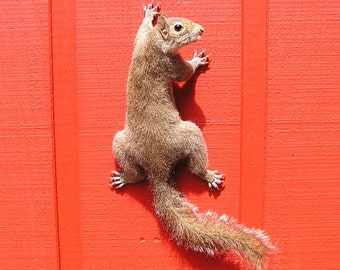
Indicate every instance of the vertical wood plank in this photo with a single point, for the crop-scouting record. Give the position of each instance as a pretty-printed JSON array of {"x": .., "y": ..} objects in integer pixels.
[
  {"x": 303, "y": 143},
  {"x": 28, "y": 238},
  {"x": 253, "y": 110},
  {"x": 66, "y": 131},
  {"x": 118, "y": 227}
]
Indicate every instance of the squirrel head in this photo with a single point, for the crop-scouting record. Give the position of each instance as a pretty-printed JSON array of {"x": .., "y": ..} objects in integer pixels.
[{"x": 177, "y": 32}]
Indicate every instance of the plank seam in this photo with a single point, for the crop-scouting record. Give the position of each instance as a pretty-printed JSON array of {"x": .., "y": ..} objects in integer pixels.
[
  {"x": 65, "y": 118},
  {"x": 53, "y": 127}
]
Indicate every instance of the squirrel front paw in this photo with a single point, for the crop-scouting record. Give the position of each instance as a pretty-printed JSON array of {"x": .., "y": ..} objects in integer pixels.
[
  {"x": 199, "y": 59},
  {"x": 151, "y": 11}
]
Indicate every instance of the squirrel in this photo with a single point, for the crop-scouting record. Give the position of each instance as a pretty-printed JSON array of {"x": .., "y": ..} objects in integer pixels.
[{"x": 155, "y": 139}]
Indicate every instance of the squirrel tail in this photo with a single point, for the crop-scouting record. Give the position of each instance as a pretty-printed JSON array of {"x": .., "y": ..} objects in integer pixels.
[{"x": 205, "y": 232}]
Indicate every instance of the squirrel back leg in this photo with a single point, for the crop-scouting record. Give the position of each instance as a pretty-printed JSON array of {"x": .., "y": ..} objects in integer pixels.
[
  {"x": 131, "y": 172},
  {"x": 198, "y": 158}
]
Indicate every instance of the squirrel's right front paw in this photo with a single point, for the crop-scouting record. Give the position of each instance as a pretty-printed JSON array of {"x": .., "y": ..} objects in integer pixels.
[
  {"x": 116, "y": 181},
  {"x": 151, "y": 11},
  {"x": 199, "y": 59}
]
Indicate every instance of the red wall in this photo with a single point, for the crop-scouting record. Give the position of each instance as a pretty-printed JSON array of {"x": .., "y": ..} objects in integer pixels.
[{"x": 268, "y": 108}]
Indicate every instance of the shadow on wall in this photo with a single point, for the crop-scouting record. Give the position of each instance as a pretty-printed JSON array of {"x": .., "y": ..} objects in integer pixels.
[{"x": 185, "y": 99}]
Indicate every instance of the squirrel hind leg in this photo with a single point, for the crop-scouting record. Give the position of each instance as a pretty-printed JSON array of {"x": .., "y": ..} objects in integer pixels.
[
  {"x": 129, "y": 172},
  {"x": 198, "y": 158},
  {"x": 213, "y": 178}
]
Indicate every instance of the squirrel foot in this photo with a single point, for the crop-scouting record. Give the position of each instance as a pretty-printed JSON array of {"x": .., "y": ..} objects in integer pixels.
[
  {"x": 214, "y": 179},
  {"x": 151, "y": 11},
  {"x": 116, "y": 181},
  {"x": 199, "y": 59}
]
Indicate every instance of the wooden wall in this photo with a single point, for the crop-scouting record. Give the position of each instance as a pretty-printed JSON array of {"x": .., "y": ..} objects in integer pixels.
[{"x": 269, "y": 109}]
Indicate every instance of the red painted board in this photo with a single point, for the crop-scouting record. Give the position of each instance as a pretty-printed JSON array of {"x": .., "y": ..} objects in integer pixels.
[
  {"x": 28, "y": 227},
  {"x": 303, "y": 147},
  {"x": 119, "y": 229},
  {"x": 268, "y": 108},
  {"x": 253, "y": 111}
]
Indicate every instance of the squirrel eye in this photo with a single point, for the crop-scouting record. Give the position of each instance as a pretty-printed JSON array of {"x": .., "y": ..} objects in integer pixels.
[{"x": 178, "y": 27}]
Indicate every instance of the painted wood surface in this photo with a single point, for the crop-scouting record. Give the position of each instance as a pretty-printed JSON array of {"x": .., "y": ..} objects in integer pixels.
[
  {"x": 28, "y": 220},
  {"x": 303, "y": 132},
  {"x": 268, "y": 106}
]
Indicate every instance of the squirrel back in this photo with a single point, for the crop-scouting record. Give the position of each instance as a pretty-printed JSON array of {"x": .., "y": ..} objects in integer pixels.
[{"x": 156, "y": 62}]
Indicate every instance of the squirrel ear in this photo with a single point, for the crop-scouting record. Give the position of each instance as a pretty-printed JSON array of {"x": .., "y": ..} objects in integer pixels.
[{"x": 163, "y": 26}]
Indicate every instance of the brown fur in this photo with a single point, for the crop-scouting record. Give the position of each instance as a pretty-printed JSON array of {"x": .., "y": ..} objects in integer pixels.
[{"x": 155, "y": 139}]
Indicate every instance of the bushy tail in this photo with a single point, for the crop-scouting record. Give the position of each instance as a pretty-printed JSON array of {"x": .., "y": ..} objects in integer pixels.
[{"x": 206, "y": 232}]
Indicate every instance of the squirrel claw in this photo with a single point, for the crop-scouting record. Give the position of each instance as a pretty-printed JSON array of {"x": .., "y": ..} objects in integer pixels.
[
  {"x": 200, "y": 55},
  {"x": 115, "y": 173}
]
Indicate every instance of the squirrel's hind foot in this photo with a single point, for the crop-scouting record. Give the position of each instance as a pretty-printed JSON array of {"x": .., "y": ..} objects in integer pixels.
[
  {"x": 214, "y": 179},
  {"x": 116, "y": 181}
]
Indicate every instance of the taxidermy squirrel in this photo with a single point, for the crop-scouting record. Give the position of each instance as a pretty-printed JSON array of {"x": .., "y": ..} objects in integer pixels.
[{"x": 155, "y": 139}]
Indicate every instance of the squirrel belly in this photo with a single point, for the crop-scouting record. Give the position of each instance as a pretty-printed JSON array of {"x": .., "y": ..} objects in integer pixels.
[{"x": 155, "y": 139}]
